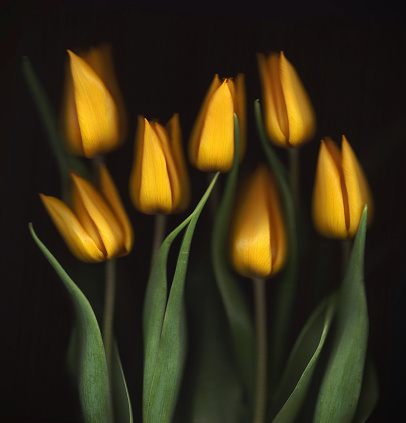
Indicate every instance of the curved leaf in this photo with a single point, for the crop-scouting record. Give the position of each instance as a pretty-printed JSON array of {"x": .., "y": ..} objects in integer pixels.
[
  {"x": 165, "y": 328},
  {"x": 92, "y": 379},
  {"x": 212, "y": 390},
  {"x": 369, "y": 393},
  {"x": 237, "y": 310},
  {"x": 121, "y": 399},
  {"x": 341, "y": 385},
  {"x": 299, "y": 370}
]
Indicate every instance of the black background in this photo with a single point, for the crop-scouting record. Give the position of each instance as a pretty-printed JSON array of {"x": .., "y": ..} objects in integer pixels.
[{"x": 351, "y": 59}]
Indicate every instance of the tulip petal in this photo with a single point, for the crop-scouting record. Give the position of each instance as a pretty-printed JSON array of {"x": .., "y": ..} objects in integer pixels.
[
  {"x": 328, "y": 205},
  {"x": 251, "y": 231},
  {"x": 96, "y": 109},
  {"x": 275, "y": 114},
  {"x": 69, "y": 117},
  {"x": 101, "y": 60},
  {"x": 110, "y": 193},
  {"x": 216, "y": 147},
  {"x": 357, "y": 187},
  {"x": 76, "y": 238},
  {"x": 299, "y": 109},
  {"x": 278, "y": 237},
  {"x": 100, "y": 213},
  {"x": 197, "y": 128},
  {"x": 155, "y": 192},
  {"x": 175, "y": 136}
]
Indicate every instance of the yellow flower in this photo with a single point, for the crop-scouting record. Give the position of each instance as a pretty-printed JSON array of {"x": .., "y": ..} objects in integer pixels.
[
  {"x": 211, "y": 145},
  {"x": 340, "y": 192},
  {"x": 97, "y": 227},
  {"x": 93, "y": 117},
  {"x": 288, "y": 113},
  {"x": 258, "y": 236},
  {"x": 159, "y": 182}
]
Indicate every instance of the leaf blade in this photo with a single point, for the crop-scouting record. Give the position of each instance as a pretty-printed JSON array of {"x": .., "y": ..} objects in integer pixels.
[
  {"x": 160, "y": 398},
  {"x": 341, "y": 384},
  {"x": 93, "y": 379}
]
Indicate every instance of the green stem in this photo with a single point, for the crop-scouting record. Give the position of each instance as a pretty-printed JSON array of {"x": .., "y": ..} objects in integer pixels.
[
  {"x": 159, "y": 234},
  {"x": 108, "y": 317},
  {"x": 294, "y": 168},
  {"x": 261, "y": 335}
]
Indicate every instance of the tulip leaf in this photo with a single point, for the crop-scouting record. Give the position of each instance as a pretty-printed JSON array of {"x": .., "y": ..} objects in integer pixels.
[
  {"x": 212, "y": 390},
  {"x": 65, "y": 161},
  {"x": 93, "y": 378},
  {"x": 237, "y": 310},
  {"x": 301, "y": 364},
  {"x": 340, "y": 388},
  {"x": 285, "y": 296},
  {"x": 164, "y": 325},
  {"x": 121, "y": 398},
  {"x": 369, "y": 393}
]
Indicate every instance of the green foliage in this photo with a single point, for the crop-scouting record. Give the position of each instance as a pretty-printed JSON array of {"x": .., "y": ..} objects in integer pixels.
[
  {"x": 164, "y": 325},
  {"x": 92, "y": 379},
  {"x": 341, "y": 385}
]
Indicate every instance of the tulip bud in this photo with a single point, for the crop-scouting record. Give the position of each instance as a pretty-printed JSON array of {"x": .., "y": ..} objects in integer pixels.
[
  {"x": 340, "y": 192},
  {"x": 211, "y": 146},
  {"x": 93, "y": 115},
  {"x": 97, "y": 227},
  {"x": 258, "y": 236},
  {"x": 288, "y": 113},
  {"x": 159, "y": 182}
]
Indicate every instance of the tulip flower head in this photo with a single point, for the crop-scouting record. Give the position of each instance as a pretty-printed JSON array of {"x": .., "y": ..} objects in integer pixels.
[
  {"x": 97, "y": 227},
  {"x": 258, "y": 236},
  {"x": 211, "y": 146},
  {"x": 340, "y": 192},
  {"x": 93, "y": 115},
  {"x": 159, "y": 182},
  {"x": 288, "y": 113}
]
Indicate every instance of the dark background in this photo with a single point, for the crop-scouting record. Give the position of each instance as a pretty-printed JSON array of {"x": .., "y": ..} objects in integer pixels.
[{"x": 351, "y": 59}]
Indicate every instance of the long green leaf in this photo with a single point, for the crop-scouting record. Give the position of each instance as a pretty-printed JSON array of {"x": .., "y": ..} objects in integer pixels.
[
  {"x": 212, "y": 389},
  {"x": 341, "y": 385},
  {"x": 93, "y": 380},
  {"x": 369, "y": 393},
  {"x": 121, "y": 398},
  {"x": 236, "y": 307},
  {"x": 164, "y": 355},
  {"x": 300, "y": 367}
]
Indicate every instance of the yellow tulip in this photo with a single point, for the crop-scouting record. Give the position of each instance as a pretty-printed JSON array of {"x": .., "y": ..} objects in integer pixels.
[
  {"x": 159, "y": 182},
  {"x": 288, "y": 113},
  {"x": 211, "y": 145},
  {"x": 258, "y": 236},
  {"x": 93, "y": 115},
  {"x": 97, "y": 227},
  {"x": 340, "y": 192}
]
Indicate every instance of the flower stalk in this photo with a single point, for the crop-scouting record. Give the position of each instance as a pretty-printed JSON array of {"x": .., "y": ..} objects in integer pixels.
[{"x": 261, "y": 363}]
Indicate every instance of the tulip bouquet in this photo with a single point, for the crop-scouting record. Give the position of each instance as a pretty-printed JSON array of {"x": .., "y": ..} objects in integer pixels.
[{"x": 246, "y": 369}]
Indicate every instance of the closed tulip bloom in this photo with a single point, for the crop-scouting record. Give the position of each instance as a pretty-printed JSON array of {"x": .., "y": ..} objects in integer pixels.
[
  {"x": 340, "y": 192},
  {"x": 97, "y": 227},
  {"x": 258, "y": 236},
  {"x": 288, "y": 113},
  {"x": 159, "y": 182},
  {"x": 93, "y": 117},
  {"x": 211, "y": 145}
]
